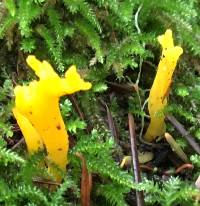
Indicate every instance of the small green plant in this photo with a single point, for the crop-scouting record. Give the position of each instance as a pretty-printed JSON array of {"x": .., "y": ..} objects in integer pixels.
[
  {"x": 171, "y": 192},
  {"x": 5, "y": 107}
]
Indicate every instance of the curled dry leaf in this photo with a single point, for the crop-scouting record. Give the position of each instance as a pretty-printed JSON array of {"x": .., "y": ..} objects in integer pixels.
[
  {"x": 86, "y": 182},
  {"x": 143, "y": 157}
]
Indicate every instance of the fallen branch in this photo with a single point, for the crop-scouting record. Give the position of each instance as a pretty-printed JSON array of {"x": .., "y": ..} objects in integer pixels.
[
  {"x": 136, "y": 167},
  {"x": 184, "y": 133}
]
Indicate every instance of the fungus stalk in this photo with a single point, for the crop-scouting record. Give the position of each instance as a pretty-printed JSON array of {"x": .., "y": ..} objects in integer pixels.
[
  {"x": 37, "y": 111},
  {"x": 161, "y": 85}
]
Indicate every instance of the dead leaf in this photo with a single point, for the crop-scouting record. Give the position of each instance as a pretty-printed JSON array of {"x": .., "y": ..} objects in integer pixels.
[{"x": 86, "y": 182}]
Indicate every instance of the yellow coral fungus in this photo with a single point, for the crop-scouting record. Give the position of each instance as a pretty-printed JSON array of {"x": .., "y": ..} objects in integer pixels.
[
  {"x": 34, "y": 142},
  {"x": 159, "y": 91},
  {"x": 38, "y": 114}
]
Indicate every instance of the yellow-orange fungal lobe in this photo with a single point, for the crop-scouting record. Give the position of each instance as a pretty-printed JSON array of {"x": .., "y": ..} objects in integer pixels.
[
  {"x": 38, "y": 114},
  {"x": 161, "y": 85}
]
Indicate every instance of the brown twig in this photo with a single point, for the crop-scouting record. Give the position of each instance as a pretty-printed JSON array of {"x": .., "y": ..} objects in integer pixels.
[
  {"x": 184, "y": 133},
  {"x": 21, "y": 141},
  {"x": 146, "y": 167},
  {"x": 122, "y": 87},
  {"x": 78, "y": 110},
  {"x": 111, "y": 123},
  {"x": 45, "y": 182},
  {"x": 76, "y": 106},
  {"x": 184, "y": 166},
  {"x": 136, "y": 167}
]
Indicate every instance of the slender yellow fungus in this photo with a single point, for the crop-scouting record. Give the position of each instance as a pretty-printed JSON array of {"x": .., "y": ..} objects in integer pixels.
[
  {"x": 34, "y": 142},
  {"x": 161, "y": 85},
  {"x": 38, "y": 114}
]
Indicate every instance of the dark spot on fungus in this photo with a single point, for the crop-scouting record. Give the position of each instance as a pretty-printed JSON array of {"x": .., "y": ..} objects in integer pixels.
[
  {"x": 59, "y": 149},
  {"x": 58, "y": 127},
  {"x": 30, "y": 112}
]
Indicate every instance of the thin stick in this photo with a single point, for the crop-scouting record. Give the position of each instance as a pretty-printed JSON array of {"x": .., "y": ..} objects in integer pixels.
[
  {"x": 184, "y": 166},
  {"x": 78, "y": 110},
  {"x": 45, "y": 182},
  {"x": 122, "y": 87},
  {"x": 21, "y": 141},
  {"x": 75, "y": 104},
  {"x": 111, "y": 123},
  {"x": 184, "y": 133},
  {"x": 136, "y": 167}
]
